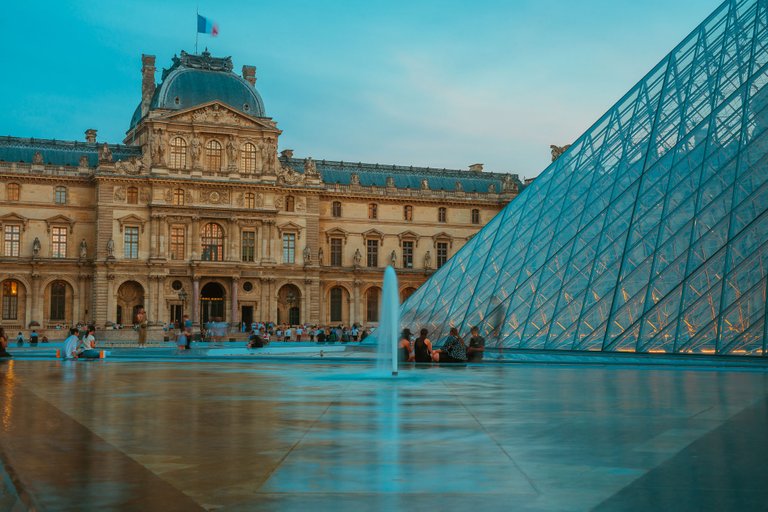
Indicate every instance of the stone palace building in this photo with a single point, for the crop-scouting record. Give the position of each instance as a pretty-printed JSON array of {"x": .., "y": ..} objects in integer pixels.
[{"x": 196, "y": 212}]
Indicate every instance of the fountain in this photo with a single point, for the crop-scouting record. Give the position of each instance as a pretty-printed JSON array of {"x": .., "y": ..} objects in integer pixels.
[{"x": 389, "y": 324}]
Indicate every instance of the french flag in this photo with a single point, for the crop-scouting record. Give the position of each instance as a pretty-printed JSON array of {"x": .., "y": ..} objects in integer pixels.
[{"x": 206, "y": 26}]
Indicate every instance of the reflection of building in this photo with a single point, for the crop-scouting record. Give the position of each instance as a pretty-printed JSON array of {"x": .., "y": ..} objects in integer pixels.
[
  {"x": 650, "y": 234},
  {"x": 196, "y": 209}
]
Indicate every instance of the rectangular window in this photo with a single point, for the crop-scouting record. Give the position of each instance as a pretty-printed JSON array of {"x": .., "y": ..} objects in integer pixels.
[
  {"x": 336, "y": 298},
  {"x": 131, "y": 243},
  {"x": 249, "y": 245},
  {"x": 372, "y": 247},
  {"x": 12, "y": 239},
  {"x": 442, "y": 253},
  {"x": 60, "y": 195},
  {"x": 59, "y": 242},
  {"x": 335, "y": 252},
  {"x": 407, "y": 254},
  {"x": 10, "y": 300},
  {"x": 289, "y": 248},
  {"x": 178, "y": 234}
]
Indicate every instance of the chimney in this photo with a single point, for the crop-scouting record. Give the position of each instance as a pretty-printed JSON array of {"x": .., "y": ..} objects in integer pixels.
[
  {"x": 147, "y": 81},
  {"x": 476, "y": 167},
  {"x": 90, "y": 135},
  {"x": 249, "y": 73}
]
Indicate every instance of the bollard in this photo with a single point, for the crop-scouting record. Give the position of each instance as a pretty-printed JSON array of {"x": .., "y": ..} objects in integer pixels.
[
  {"x": 58, "y": 353},
  {"x": 101, "y": 354}
]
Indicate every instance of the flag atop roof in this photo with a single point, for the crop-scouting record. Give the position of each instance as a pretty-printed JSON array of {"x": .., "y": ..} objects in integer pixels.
[{"x": 207, "y": 26}]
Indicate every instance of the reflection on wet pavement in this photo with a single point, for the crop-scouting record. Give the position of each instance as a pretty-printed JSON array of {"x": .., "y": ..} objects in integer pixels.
[{"x": 288, "y": 436}]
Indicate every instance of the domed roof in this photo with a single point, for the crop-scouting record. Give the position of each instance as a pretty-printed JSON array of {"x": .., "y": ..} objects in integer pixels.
[{"x": 198, "y": 79}]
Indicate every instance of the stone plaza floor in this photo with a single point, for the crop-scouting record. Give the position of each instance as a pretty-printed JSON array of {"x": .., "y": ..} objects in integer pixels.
[{"x": 260, "y": 435}]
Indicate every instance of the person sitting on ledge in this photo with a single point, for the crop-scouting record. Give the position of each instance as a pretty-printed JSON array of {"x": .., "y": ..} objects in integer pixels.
[
  {"x": 3, "y": 344},
  {"x": 422, "y": 348},
  {"x": 87, "y": 347},
  {"x": 33, "y": 338},
  {"x": 70, "y": 345},
  {"x": 476, "y": 346},
  {"x": 256, "y": 341},
  {"x": 405, "y": 354},
  {"x": 454, "y": 350},
  {"x": 20, "y": 340}
]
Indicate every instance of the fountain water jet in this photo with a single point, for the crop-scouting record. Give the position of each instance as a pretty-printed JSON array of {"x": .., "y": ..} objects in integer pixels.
[{"x": 389, "y": 323}]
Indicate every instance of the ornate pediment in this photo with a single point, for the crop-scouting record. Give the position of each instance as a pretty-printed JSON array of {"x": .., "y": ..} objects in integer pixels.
[
  {"x": 373, "y": 233},
  {"x": 131, "y": 220},
  {"x": 336, "y": 233},
  {"x": 14, "y": 218},
  {"x": 59, "y": 220},
  {"x": 442, "y": 237},
  {"x": 290, "y": 227},
  {"x": 408, "y": 235},
  {"x": 221, "y": 114}
]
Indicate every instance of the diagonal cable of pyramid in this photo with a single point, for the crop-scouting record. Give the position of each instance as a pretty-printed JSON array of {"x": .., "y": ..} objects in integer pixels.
[{"x": 650, "y": 234}]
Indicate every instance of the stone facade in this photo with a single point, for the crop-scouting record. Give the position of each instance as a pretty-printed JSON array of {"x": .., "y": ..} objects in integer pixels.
[{"x": 198, "y": 213}]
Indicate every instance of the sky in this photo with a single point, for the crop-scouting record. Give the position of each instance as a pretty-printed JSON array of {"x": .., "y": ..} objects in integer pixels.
[{"x": 438, "y": 83}]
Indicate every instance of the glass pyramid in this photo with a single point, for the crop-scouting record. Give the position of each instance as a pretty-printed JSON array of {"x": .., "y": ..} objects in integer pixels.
[{"x": 650, "y": 234}]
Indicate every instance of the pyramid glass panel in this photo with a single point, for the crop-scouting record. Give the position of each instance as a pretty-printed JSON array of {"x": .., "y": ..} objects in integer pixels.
[{"x": 650, "y": 233}]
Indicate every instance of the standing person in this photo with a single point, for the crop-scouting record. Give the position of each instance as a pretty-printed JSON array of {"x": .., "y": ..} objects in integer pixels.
[
  {"x": 454, "y": 350},
  {"x": 141, "y": 321},
  {"x": 187, "y": 323},
  {"x": 3, "y": 344},
  {"x": 476, "y": 347},
  {"x": 70, "y": 344},
  {"x": 320, "y": 335},
  {"x": 404, "y": 352},
  {"x": 288, "y": 332},
  {"x": 20, "y": 340},
  {"x": 354, "y": 332},
  {"x": 422, "y": 348},
  {"x": 299, "y": 333},
  {"x": 312, "y": 330},
  {"x": 33, "y": 337}
]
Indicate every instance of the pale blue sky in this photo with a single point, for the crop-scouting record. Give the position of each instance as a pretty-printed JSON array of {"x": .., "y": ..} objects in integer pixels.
[{"x": 433, "y": 83}]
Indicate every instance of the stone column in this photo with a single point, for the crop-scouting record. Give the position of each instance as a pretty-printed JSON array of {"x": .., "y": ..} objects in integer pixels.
[
  {"x": 111, "y": 302},
  {"x": 196, "y": 300},
  {"x": 356, "y": 303},
  {"x": 152, "y": 238},
  {"x": 259, "y": 250},
  {"x": 195, "y": 239},
  {"x": 235, "y": 286},
  {"x": 306, "y": 301},
  {"x": 35, "y": 312},
  {"x": 163, "y": 242}
]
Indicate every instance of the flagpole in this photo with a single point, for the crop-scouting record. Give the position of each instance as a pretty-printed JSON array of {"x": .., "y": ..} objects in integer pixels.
[{"x": 197, "y": 32}]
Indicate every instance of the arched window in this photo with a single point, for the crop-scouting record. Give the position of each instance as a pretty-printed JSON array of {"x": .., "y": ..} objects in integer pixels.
[
  {"x": 213, "y": 155},
  {"x": 58, "y": 301},
  {"x": 10, "y": 300},
  {"x": 13, "y": 192},
  {"x": 372, "y": 304},
  {"x": 475, "y": 216},
  {"x": 178, "y": 197},
  {"x": 442, "y": 213},
  {"x": 336, "y": 209},
  {"x": 373, "y": 211},
  {"x": 336, "y": 297},
  {"x": 212, "y": 238},
  {"x": 248, "y": 158},
  {"x": 60, "y": 195},
  {"x": 250, "y": 200},
  {"x": 133, "y": 195},
  {"x": 407, "y": 212},
  {"x": 178, "y": 158},
  {"x": 290, "y": 204}
]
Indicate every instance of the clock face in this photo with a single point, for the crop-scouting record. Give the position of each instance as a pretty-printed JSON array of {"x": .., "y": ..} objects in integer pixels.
[{"x": 214, "y": 197}]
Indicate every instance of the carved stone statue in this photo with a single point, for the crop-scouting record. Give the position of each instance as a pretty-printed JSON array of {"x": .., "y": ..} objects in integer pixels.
[
  {"x": 393, "y": 258},
  {"x": 320, "y": 256},
  {"x": 558, "y": 150},
  {"x": 310, "y": 168},
  {"x": 492, "y": 188},
  {"x": 83, "y": 249},
  {"x": 354, "y": 179},
  {"x": 105, "y": 154},
  {"x": 158, "y": 147},
  {"x": 459, "y": 187},
  {"x": 424, "y": 184},
  {"x": 110, "y": 248},
  {"x": 130, "y": 166},
  {"x": 36, "y": 247},
  {"x": 270, "y": 155},
  {"x": 357, "y": 258},
  {"x": 37, "y": 158},
  {"x": 307, "y": 255},
  {"x": 195, "y": 148},
  {"x": 390, "y": 181},
  {"x": 428, "y": 260},
  {"x": 231, "y": 151},
  {"x": 83, "y": 161}
]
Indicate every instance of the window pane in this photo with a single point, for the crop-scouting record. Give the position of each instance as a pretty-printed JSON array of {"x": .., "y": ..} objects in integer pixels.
[
  {"x": 178, "y": 235},
  {"x": 407, "y": 254},
  {"x": 248, "y": 158},
  {"x": 442, "y": 253},
  {"x": 178, "y": 197},
  {"x": 133, "y": 195},
  {"x": 373, "y": 252},
  {"x": 60, "y": 195},
  {"x": 131, "y": 243},
  {"x": 336, "y": 297},
  {"x": 372, "y": 305},
  {"x": 13, "y": 191},
  {"x": 59, "y": 242},
  {"x": 289, "y": 248},
  {"x": 213, "y": 243},
  {"x": 10, "y": 300},
  {"x": 335, "y": 252},
  {"x": 12, "y": 239},
  {"x": 58, "y": 301},
  {"x": 213, "y": 155},
  {"x": 249, "y": 245},
  {"x": 178, "y": 153}
]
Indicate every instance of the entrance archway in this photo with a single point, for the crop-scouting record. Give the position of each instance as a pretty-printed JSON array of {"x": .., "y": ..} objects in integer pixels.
[
  {"x": 130, "y": 297},
  {"x": 212, "y": 308},
  {"x": 289, "y": 305}
]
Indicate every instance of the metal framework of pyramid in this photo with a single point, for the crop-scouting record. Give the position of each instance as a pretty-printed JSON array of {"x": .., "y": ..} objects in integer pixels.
[{"x": 650, "y": 234}]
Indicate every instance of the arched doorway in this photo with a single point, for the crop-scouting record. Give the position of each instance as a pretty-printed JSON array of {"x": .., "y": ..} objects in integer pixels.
[
  {"x": 130, "y": 297},
  {"x": 407, "y": 292},
  {"x": 212, "y": 303},
  {"x": 289, "y": 305}
]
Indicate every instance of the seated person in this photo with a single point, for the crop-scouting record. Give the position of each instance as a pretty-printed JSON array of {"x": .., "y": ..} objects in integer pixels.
[
  {"x": 70, "y": 345},
  {"x": 404, "y": 353},
  {"x": 454, "y": 350},
  {"x": 20, "y": 340},
  {"x": 422, "y": 348},
  {"x": 3, "y": 344},
  {"x": 87, "y": 346},
  {"x": 33, "y": 338},
  {"x": 256, "y": 341},
  {"x": 476, "y": 347}
]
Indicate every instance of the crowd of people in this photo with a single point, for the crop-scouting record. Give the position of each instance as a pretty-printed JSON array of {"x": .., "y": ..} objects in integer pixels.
[{"x": 454, "y": 350}]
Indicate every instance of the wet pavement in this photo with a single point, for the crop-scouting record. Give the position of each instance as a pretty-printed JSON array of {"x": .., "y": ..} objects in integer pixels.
[{"x": 260, "y": 435}]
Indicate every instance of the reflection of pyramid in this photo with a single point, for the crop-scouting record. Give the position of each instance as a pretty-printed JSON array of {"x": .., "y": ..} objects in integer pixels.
[{"x": 650, "y": 233}]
